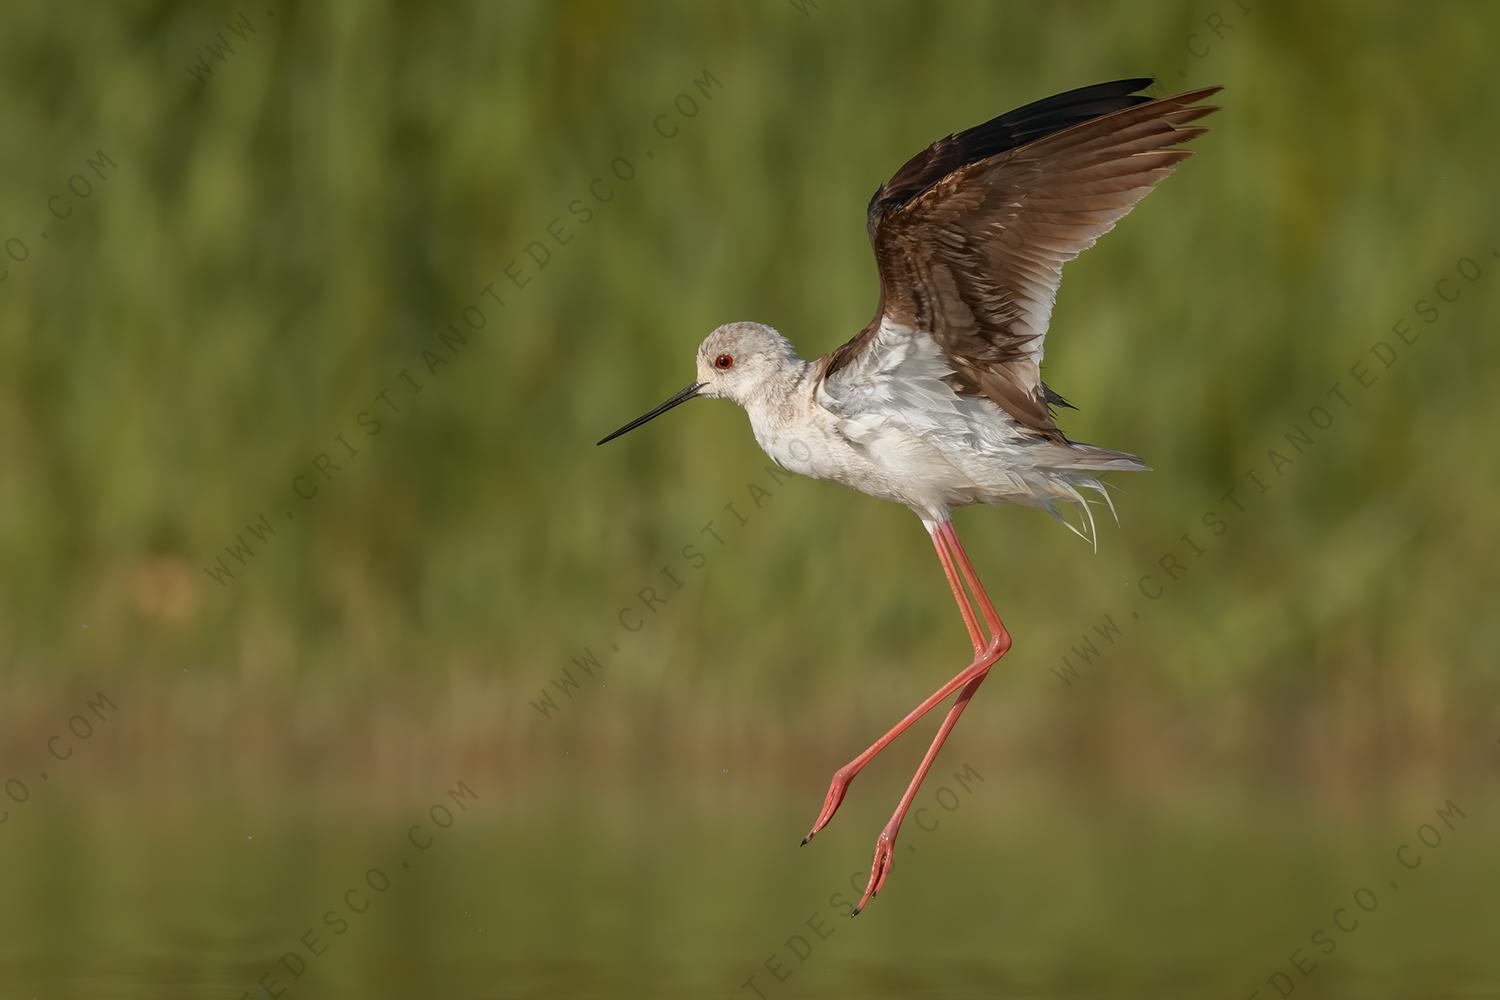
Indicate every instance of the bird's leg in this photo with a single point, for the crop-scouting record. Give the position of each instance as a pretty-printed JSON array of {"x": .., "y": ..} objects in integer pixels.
[
  {"x": 1000, "y": 642},
  {"x": 991, "y": 616},
  {"x": 985, "y": 654},
  {"x": 965, "y": 609}
]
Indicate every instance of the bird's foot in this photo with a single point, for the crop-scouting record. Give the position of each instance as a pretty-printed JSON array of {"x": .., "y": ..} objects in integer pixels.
[
  {"x": 836, "y": 789},
  {"x": 885, "y": 849}
]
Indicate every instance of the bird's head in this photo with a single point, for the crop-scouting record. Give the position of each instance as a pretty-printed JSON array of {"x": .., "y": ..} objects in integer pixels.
[{"x": 736, "y": 361}]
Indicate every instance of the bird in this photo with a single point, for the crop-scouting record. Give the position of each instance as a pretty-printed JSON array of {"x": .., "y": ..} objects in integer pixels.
[{"x": 938, "y": 402}]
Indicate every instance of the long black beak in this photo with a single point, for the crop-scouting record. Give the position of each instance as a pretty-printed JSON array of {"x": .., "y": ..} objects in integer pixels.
[{"x": 677, "y": 400}]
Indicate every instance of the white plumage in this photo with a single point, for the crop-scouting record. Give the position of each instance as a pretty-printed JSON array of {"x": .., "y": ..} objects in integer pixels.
[{"x": 890, "y": 426}]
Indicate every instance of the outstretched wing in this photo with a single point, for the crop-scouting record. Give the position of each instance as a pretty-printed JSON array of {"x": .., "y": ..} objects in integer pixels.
[{"x": 970, "y": 236}]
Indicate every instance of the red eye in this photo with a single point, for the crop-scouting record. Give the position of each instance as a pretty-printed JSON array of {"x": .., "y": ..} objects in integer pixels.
[{"x": 723, "y": 361}]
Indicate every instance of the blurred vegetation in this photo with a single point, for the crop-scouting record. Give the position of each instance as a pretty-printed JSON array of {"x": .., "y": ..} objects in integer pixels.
[{"x": 272, "y": 235}]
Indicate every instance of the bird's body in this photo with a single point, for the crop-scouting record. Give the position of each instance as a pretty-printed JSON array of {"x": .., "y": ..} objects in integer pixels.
[
  {"x": 896, "y": 430},
  {"x": 938, "y": 402}
]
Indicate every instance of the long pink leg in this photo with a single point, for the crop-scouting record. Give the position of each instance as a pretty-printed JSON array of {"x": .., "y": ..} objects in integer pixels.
[
  {"x": 950, "y": 572},
  {"x": 991, "y": 616},
  {"x": 985, "y": 655},
  {"x": 885, "y": 844}
]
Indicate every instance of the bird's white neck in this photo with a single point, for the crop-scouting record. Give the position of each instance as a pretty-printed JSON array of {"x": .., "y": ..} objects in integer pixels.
[{"x": 787, "y": 423}]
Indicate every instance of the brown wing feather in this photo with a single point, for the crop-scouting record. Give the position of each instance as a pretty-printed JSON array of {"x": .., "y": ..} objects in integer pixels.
[{"x": 973, "y": 255}]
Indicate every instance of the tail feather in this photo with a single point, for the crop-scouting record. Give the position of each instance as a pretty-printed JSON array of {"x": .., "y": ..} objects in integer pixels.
[{"x": 1089, "y": 458}]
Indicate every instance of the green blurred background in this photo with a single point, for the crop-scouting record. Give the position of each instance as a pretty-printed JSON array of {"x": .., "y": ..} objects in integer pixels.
[{"x": 321, "y": 519}]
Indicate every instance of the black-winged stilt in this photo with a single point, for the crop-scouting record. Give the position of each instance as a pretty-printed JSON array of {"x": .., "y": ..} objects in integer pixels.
[{"x": 938, "y": 402}]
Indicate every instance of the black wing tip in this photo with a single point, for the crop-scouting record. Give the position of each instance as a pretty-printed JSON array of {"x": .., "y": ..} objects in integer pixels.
[
  {"x": 1055, "y": 398},
  {"x": 1015, "y": 128},
  {"x": 1127, "y": 85}
]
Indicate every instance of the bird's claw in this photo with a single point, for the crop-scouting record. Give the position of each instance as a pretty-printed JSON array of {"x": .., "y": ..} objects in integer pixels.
[
  {"x": 885, "y": 849},
  {"x": 836, "y": 789}
]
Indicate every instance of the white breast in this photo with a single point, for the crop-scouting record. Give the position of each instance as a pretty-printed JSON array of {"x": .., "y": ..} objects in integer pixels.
[
  {"x": 873, "y": 449},
  {"x": 890, "y": 425}
]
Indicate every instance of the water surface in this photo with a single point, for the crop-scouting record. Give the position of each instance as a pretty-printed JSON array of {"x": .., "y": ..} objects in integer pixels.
[{"x": 567, "y": 890}]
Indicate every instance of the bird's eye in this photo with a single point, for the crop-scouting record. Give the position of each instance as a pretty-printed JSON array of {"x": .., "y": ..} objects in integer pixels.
[{"x": 723, "y": 361}]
